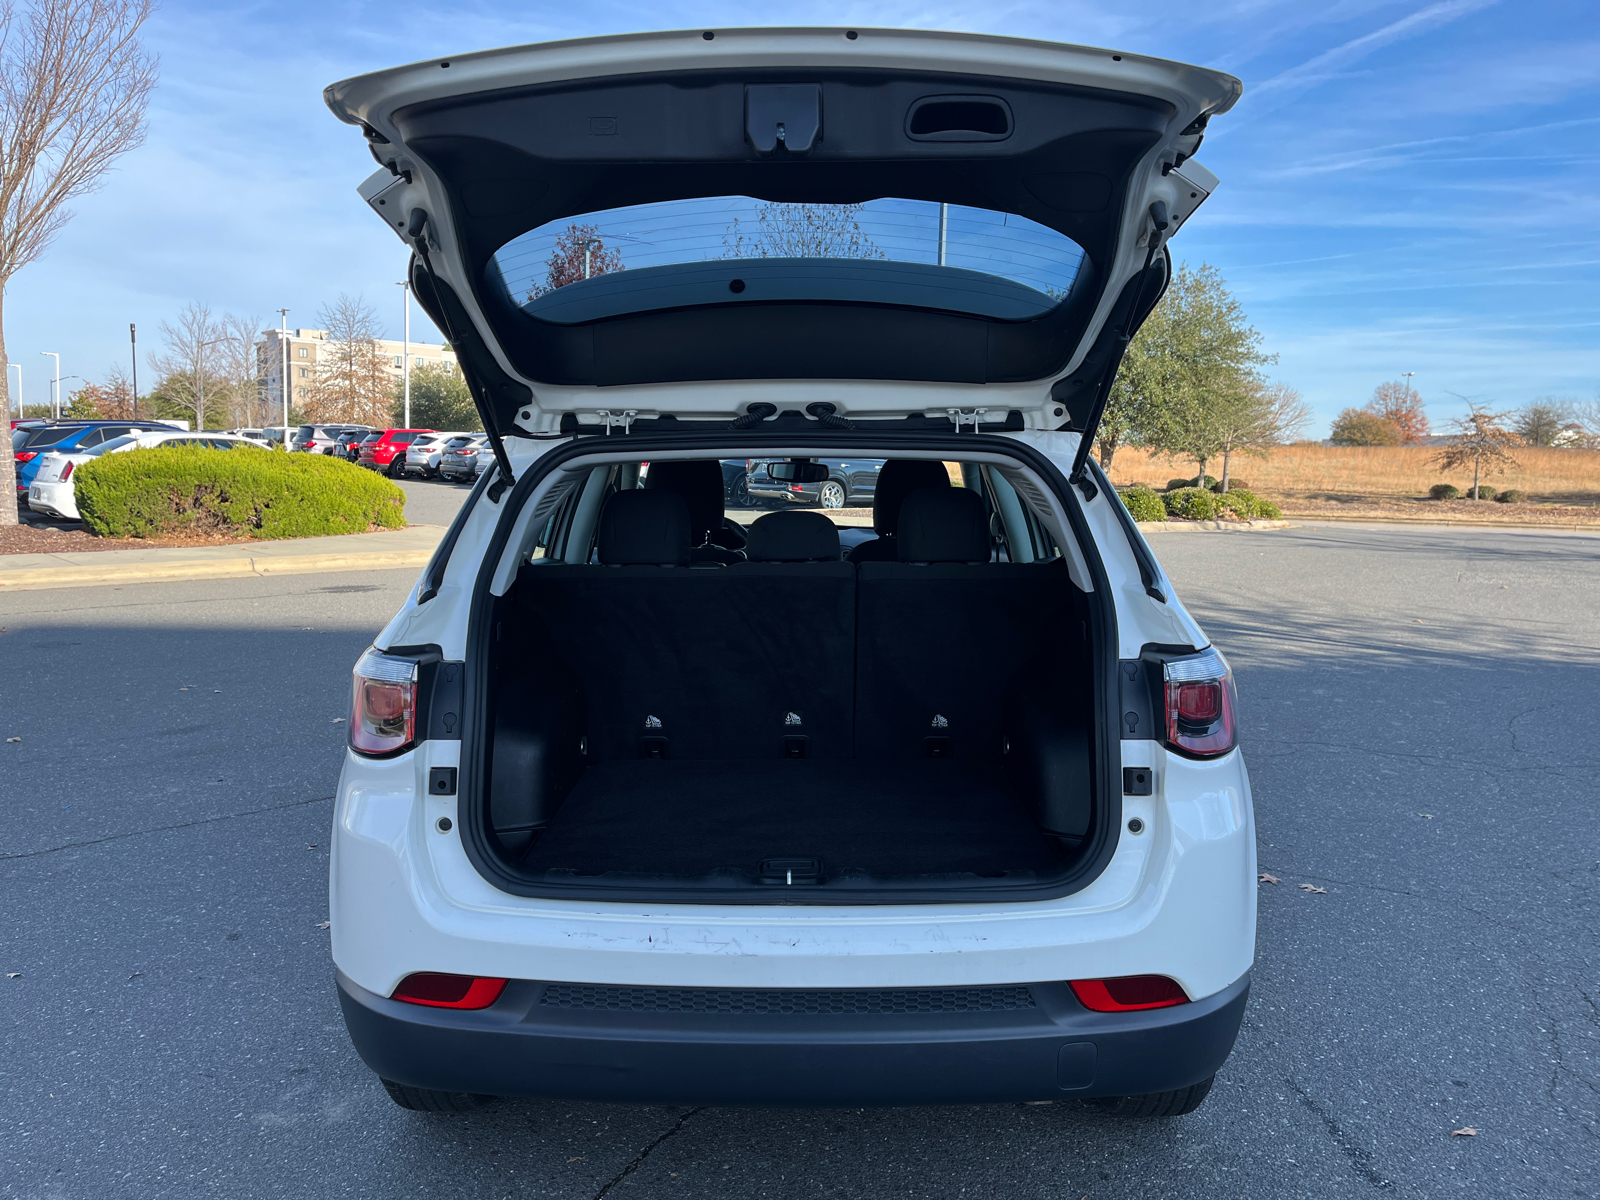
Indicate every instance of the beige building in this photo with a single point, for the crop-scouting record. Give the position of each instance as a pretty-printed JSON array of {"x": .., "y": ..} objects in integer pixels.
[{"x": 307, "y": 346}]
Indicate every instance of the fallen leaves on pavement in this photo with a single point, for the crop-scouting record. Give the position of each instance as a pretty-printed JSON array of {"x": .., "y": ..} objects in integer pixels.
[
  {"x": 1267, "y": 877},
  {"x": 16, "y": 739},
  {"x": 1464, "y": 1131},
  {"x": 1311, "y": 887},
  {"x": 324, "y": 924},
  {"x": 13, "y": 974}
]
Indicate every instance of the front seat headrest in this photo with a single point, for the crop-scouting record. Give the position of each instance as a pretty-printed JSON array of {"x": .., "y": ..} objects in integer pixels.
[
  {"x": 792, "y": 537},
  {"x": 699, "y": 482},
  {"x": 944, "y": 525},
  {"x": 640, "y": 528},
  {"x": 897, "y": 480}
]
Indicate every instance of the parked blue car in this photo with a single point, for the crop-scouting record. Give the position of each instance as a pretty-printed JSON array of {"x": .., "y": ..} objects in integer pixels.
[{"x": 30, "y": 443}]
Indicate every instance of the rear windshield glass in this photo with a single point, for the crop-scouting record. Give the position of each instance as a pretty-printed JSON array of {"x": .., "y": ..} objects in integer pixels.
[
  {"x": 50, "y": 437},
  {"x": 731, "y": 249}
]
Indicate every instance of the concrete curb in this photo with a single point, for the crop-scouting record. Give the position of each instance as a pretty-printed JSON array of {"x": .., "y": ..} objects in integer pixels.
[
  {"x": 411, "y": 547},
  {"x": 1209, "y": 526}
]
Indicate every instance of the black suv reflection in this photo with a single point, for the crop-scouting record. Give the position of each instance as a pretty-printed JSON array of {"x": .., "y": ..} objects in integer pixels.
[{"x": 851, "y": 483}]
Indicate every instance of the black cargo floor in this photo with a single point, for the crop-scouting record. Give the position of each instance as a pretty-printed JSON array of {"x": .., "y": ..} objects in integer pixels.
[{"x": 691, "y": 818}]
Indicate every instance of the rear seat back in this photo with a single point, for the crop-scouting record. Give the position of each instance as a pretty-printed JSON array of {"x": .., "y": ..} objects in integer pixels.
[
  {"x": 749, "y": 661},
  {"x": 946, "y": 638}
]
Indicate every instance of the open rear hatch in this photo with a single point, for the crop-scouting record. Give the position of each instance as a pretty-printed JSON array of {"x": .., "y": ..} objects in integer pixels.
[
  {"x": 805, "y": 243},
  {"x": 917, "y": 225}
]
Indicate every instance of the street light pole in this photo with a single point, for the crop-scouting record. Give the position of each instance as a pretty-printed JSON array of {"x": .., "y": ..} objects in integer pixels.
[
  {"x": 588, "y": 249},
  {"x": 405, "y": 362},
  {"x": 283, "y": 372},
  {"x": 56, "y": 397},
  {"x": 944, "y": 229},
  {"x": 1407, "y": 376},
  {"x": 133, "y": 343},
  {"x": 18, "y": 366}
]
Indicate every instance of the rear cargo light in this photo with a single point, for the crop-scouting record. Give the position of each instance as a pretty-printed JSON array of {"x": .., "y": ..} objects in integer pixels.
[
  {"x": 1128, "y": 993},
  {"x": 449, "y": 991},
  {"x": 383, "y": 704},
  {"x": 1201, "y": 705}
]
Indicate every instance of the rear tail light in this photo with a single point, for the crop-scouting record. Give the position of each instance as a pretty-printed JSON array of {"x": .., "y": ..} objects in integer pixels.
[
  {"x": 383, "y": 704},
  {"x": 449, "y": 991},
  {"x": 1201, "y": 705},
  {"x": 66, "y": 471},
  {"x": 1128, "y": 993},
  {"x": 26, "y": 455}
]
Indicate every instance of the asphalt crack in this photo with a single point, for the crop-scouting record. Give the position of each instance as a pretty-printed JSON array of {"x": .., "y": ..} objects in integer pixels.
[
  {"x": 1362, "y": 1159},
  {"x": 638, "y": 1159},
  {"x": 117, "y": 837}
]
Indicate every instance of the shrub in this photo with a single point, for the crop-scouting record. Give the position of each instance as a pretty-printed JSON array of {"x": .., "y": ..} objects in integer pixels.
[
  {"x": 1191, "y": 503},
  {"x": 1266, "y": 510},
  {"x": 1485, "y": 492},
  {"x": 1143, "y": 504},
  {"x": 1241, "y": 502},
  {"x": 1444, "y": 491},
  {"x": 1512, "y": 496},
  {"x": 1234, "y": 484},
  {"x": 232, "y": 493},
  {"x": 1174, "y": 484}
]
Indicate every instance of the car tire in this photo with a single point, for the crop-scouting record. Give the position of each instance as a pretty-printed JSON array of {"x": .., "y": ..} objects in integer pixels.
[
  {"x": 740, "y": 494},
  {"x": 1176, "y": 1103},
  {"x": 428, "y": 1100},
  {"x": 831, "y": 494}
]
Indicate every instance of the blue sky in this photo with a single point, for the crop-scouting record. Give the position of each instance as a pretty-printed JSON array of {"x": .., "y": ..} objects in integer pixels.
[{"x": 1406, "y": 186}]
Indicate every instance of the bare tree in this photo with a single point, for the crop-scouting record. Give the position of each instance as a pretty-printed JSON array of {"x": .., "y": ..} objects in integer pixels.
[
  {"x": 75, "y": 82},
  {"x": 1263, "y": 415},
  {"x": 579, "y": 253},
  {"x": 192, "y": 368},
  {"x": 802, "y": 231},
  {"x": 350, "y": 383},
  {"x": 239, "y": 365},
  {"x": 1480, "y": 440}
]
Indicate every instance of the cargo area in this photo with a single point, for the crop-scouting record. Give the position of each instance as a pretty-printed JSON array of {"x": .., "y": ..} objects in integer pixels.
[{"x": 689, "y": 715}]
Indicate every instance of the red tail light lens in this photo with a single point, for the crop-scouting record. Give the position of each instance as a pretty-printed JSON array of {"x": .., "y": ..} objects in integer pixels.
[
  {"x": 66, "y": 471},
  {"x": 26, "y": 455},
  {"x": 449, "y": 991},
  {"x": 383, "y": 704},
  {"x": 1128, "y": 993},
  {"x": 1201, "y": 706}
]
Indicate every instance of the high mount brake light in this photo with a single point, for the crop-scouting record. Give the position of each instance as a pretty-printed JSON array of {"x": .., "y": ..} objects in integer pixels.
[
  {"x": 449, "y": 991},
  {"x": 383, "y": 704},
  {"x": 1201, "y": 705},
  {"x": 1128, "y": 993}
]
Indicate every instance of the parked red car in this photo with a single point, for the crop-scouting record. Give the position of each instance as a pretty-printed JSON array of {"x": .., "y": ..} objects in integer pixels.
[{"x": 388, "y": 453}]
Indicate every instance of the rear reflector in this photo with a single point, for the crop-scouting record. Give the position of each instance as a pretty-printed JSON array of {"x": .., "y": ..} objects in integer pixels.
[
  {"x": 449, "y": 991},
  {"x": 1128, "y": 993}
]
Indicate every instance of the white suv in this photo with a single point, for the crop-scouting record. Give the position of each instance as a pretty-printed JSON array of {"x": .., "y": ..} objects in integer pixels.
[{"x": 644, "y": 804}]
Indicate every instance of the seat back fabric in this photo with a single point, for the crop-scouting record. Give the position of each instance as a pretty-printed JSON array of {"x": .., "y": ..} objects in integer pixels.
[
  {"x": 944, "y": 525},
  {"x": 643, "y": 528},
  {"x": 897, "y": 480},
  {"x": 793, "y": 537}
]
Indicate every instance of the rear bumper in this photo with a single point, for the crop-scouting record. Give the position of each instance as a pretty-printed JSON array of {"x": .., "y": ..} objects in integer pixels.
[{"x": 1053, "y": 1049}]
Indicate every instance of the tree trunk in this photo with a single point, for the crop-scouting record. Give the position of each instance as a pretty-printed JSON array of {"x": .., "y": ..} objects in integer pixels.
[
  {"x": 1227, "y": 456},
  {"x": 1201, "y": 481},
  {"x": 1108, "y": 449},
  {"x": 8, "y": 464},
  {"x": 1476, "y": 463}
]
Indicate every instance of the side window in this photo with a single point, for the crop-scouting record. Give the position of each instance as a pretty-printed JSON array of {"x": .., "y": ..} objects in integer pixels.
[{"x": 93, "y": 438}]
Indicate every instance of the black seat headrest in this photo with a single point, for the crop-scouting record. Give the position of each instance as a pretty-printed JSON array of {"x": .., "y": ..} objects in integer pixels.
[
  {"x": 640, "y": 528},
  {"x": 897, "y": 480},
  {"x": 944, "y": 525},
  {"x": 792, "y": 537},
  {"x": 699, "y": 482}
]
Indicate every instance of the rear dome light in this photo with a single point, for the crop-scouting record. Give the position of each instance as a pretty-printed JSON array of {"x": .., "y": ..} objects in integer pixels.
[
  {"x": 1128, "y": 993},
  {"x": 1201, "y": 705},
  {"x": 383, "y": 704},
  {"x": 449, "y": 991}
]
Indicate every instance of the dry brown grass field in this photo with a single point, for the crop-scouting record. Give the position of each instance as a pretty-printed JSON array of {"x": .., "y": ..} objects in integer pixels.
[{"x": 1311, "y": 472}]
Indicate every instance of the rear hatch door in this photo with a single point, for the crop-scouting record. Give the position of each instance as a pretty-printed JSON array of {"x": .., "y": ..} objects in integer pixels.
[{"x": 716, "y": 225}]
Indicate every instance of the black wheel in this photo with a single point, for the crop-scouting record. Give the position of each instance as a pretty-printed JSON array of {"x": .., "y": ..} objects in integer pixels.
[
  {"x": 831, "y": 494},
  {"x": 740, "y": 497},
  {"x": 395, "y": 470},
  {"x": 1175, "y": 1103},
  {"x": 428, "y": 1100}
]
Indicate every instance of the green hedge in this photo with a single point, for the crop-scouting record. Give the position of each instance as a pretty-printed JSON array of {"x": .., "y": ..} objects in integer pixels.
[
  {"x": 1512, "y": 496},
  {"x": 1191, "y": 503},
  {"x": 1444, "y": 491},
  {"x": 1143, "y": 503},
  {"x": 232, "y": 493}
]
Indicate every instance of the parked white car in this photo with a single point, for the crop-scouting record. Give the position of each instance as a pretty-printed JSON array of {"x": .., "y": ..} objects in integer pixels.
[
  {"x": 422, "y": 456},
  {"x": 53, "y": 488},
  {"x": 633, "y": 813}
]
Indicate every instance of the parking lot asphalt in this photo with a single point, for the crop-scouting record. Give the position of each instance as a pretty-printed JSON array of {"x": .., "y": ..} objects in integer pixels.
[{"x": 1419, "y": 710}]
